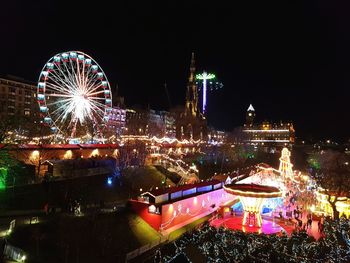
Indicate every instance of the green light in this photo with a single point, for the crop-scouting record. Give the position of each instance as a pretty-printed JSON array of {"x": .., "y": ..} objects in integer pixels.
[
  {"x": 3, "y": 175},
  {"x": 314, "y": 163},
  {"x": 205, "y": 75}
]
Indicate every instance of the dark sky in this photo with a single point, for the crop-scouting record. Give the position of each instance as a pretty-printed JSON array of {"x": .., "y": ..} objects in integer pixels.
[{"x": 289, "y": 58}]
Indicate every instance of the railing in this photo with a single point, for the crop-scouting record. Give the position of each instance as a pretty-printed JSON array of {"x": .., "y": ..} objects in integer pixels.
[
  {"x": 139, "y": 251},
  {"x": 14, "y": 253}
]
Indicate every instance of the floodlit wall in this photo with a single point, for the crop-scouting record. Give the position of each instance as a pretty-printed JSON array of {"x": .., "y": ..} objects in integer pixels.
[
  {"x": 185, "y": 211},
  {"x": 154, "y": 220}
]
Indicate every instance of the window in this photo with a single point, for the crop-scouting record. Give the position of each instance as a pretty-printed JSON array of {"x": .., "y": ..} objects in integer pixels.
[
  {"x": 12, "y": 89},
  {"x": 26, "y": 112}
]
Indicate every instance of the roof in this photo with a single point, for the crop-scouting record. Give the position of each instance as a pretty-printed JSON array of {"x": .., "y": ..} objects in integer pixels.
[
  {"x": 250, "y": 108},
  {"x": 253, "y": 190},
  {"x": 221, "y": 177},
  {"x": 28, "y": 146},
  {"x": 263, "y": 165},
  {"x": 58, "y": 146},
  {"x": 98, "y": 146},
  {"x": 170, "y": 190}
]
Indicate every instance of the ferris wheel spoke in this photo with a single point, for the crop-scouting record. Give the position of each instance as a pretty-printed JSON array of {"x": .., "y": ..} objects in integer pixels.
[
  {"x": 78, "y": 76},
  {"x": 62, "y": 75},
  {"x": 73, "y": 74},
  {"x": 92, "y": 82},
  {"x": 99, "y": 112},
  {"x": 55, "y": 86},
  {"x": 58, "y": 80},
  {"x": 70, "y": 76},
  {"x": 97, "y": 103},
  {"x": 83, "y": 75},
  {"x": 92, "y": 78},
  {"x": 97, "y": 98},
  {"x": 93, "y": 88},
  {"x": 67, "y": 79},
  {"x": 98, "y": 106},
  {"x": 57, "y": 119},
  {"x": 60, "y": 83},
  {"x": 59, "y": 110},
  {"x": 60, "y": 124},
  {"x": 96, "y": 93},
  {"x": 61, "y": 95},
  {"x": 58, "y": 101},
  {"x": 87, "y": 74}
]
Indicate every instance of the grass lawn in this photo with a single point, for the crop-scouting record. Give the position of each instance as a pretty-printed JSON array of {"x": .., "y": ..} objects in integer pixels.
[
  {"x": 144, "y": 178},
  {"x": 177, "y": 233},
  {"x": 149, "y": 255},
  {"x": 144, "y": 233},
  {"x": 96, "y": 238},
  {"x": 89, "y": 189}
]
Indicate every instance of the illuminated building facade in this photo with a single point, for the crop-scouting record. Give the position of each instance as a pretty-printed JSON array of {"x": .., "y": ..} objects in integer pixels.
[
  {"x": 150, "y": 123},
  {"x": 169, "y": 124},
  {"x": 171, "y": 208},
  {"x": 136, "y": 122},
  {"x": 324, "y": 208},
  {"x": 17, "y": 97},
  {"x": 190, "y": 123},
  {"x": 267, "y": 133},
  {"x": 216, "y": 137},
  {"x": 116, "y": 121}
]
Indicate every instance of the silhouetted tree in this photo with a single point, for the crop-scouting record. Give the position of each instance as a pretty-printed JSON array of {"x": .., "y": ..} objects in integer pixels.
[{"x": 331, "y": 170}]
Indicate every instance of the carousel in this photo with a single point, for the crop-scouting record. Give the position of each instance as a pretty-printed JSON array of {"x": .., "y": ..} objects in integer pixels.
[{"x": 252, "y": 197}]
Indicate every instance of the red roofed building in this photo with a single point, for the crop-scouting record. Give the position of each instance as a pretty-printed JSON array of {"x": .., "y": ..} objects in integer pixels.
[{"x": 169, "y": 209}]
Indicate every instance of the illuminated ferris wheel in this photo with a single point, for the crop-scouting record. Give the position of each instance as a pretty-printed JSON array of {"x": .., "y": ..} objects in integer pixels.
[{"x": 74, "y": 95}]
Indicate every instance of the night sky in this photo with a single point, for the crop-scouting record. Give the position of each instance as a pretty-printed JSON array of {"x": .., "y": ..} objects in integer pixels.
[{"x": 291, "y": 60}]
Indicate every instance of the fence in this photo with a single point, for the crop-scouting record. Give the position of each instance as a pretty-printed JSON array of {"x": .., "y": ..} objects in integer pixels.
[
  {"x": 139, "y": 251},
  {"x": 14, "y": 253}
]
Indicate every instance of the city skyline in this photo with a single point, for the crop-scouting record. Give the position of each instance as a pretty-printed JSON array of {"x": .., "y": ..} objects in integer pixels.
[
  {"x": 293, "y": 70},
  {"x": 174, "y": 131}
]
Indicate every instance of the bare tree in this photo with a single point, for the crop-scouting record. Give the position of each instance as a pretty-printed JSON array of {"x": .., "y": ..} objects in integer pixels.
[{"x": 8, "y": 124}]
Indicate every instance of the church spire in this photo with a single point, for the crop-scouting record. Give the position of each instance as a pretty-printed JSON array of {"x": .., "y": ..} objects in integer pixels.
[
  {"x": 192, "y": 69},
  {"x": 250, "y": 108},
  {"x": 250, "y": 115},
  {"x": 191, "y": 92}
]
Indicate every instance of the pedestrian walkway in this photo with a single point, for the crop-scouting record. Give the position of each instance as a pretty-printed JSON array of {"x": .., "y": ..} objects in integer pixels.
[
  {"x": 235, "y": 223},
  {"x": 270, "y": 225}
]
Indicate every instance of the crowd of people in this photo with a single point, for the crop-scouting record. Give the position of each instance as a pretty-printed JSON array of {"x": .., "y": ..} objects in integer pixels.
[{"x": 223, "y": 245}]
